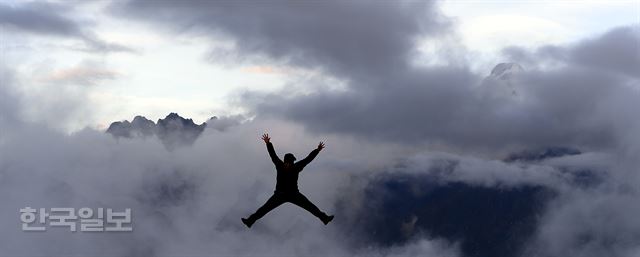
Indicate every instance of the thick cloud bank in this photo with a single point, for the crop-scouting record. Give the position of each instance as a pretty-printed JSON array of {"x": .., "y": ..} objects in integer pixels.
[
  {"x": 52, "y": 19},
  {"x": 566, "y": 93},
  {"x": 558, "y": 102},
  {"x": 184, "y": 202},
  {"x": 345, "y": 38},
  {"x": 421, "y": 160},
  {"x": 388, "y": 200}
]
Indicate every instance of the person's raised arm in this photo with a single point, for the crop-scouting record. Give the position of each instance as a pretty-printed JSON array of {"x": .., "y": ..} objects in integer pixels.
[
  {"x": 311, "y": 155},
  {"x": 272, "y": 152}
]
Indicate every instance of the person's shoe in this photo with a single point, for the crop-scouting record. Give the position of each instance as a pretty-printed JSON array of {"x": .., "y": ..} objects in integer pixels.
[
  {"x": 327, "y": 219},
  {"x": 247, "y": 222}
]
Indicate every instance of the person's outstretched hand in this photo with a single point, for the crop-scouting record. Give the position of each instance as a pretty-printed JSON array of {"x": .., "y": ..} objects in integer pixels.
[
  {"x": 320, "y": 146},
  {"x": 266, "y": 138}
]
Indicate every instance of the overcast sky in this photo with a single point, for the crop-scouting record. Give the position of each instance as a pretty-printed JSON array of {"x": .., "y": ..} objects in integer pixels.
[
  {"x": 431, "y": 151},
  {"x": 123, "y": 66}
]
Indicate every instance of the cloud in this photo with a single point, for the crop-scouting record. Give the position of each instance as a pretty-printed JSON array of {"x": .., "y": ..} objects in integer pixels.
[
  {"x": 589, "y": 224},
  {"x": 411, "y": 149},
  {"x": 43, "y": 18},
  {"x": 24, "y": 99},
  {"x": 568, "y": 105},
  {"x": 390, "y": 200},
  {"x": 388, "y": 98},
  {"x": 615, "y": 51},
  {"x": 185, "y": 201},
  {"x": 49, "y": 19},
  {"x": 578, "y": 95},
  {"x": 9, "y": 103},
  {"x": 336, "y": 36},
  {"x": 81, "y": 75}
]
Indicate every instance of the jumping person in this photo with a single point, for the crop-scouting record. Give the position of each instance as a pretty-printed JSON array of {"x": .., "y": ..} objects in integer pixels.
[{"x": 287, "y": 185}]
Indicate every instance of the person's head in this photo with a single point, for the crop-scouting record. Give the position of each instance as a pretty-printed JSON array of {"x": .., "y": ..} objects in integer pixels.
[{"x": 289, "y": 158}]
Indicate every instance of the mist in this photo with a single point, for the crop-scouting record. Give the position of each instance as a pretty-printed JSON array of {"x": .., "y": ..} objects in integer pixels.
[{"x": 421, "y": 159}]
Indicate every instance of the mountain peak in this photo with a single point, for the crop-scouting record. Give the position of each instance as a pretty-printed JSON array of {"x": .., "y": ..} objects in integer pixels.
[
  {"x": 140, "y": 118},
  {"x": 173, "y": 115},
  {"x": 502, "y": 80},
  {"x": 505, "y": 70},
  {"x": 173, "y": 130}
]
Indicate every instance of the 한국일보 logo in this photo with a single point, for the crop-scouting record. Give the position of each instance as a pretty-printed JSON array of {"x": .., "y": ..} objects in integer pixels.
[{"x": 86, "y": 219}]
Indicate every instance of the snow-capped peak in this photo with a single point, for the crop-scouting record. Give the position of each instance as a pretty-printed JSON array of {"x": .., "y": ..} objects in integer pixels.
[{"x": 505, "y": 70}]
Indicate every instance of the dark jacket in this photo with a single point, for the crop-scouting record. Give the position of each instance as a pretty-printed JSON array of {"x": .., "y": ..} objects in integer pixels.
[{"x": 287, "y": 178}]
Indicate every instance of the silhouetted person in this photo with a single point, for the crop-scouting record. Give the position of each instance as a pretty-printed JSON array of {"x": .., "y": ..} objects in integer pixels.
[{"x": 287, "y": 185}]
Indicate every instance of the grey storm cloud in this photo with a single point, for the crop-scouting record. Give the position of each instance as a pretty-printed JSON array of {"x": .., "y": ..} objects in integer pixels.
[
  {"x": 370, "y": 47},
  {"x": 346, "y": 38},
  {"x": 42, "y": 18},
  {"x": 615, "y": 51},
  {"x": 568, "y": 105}
]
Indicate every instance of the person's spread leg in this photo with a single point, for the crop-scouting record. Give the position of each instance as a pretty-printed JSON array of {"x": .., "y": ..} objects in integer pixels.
[
  {"x": 300, "y": 200},
  {"x": 274, "y": 201}
]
